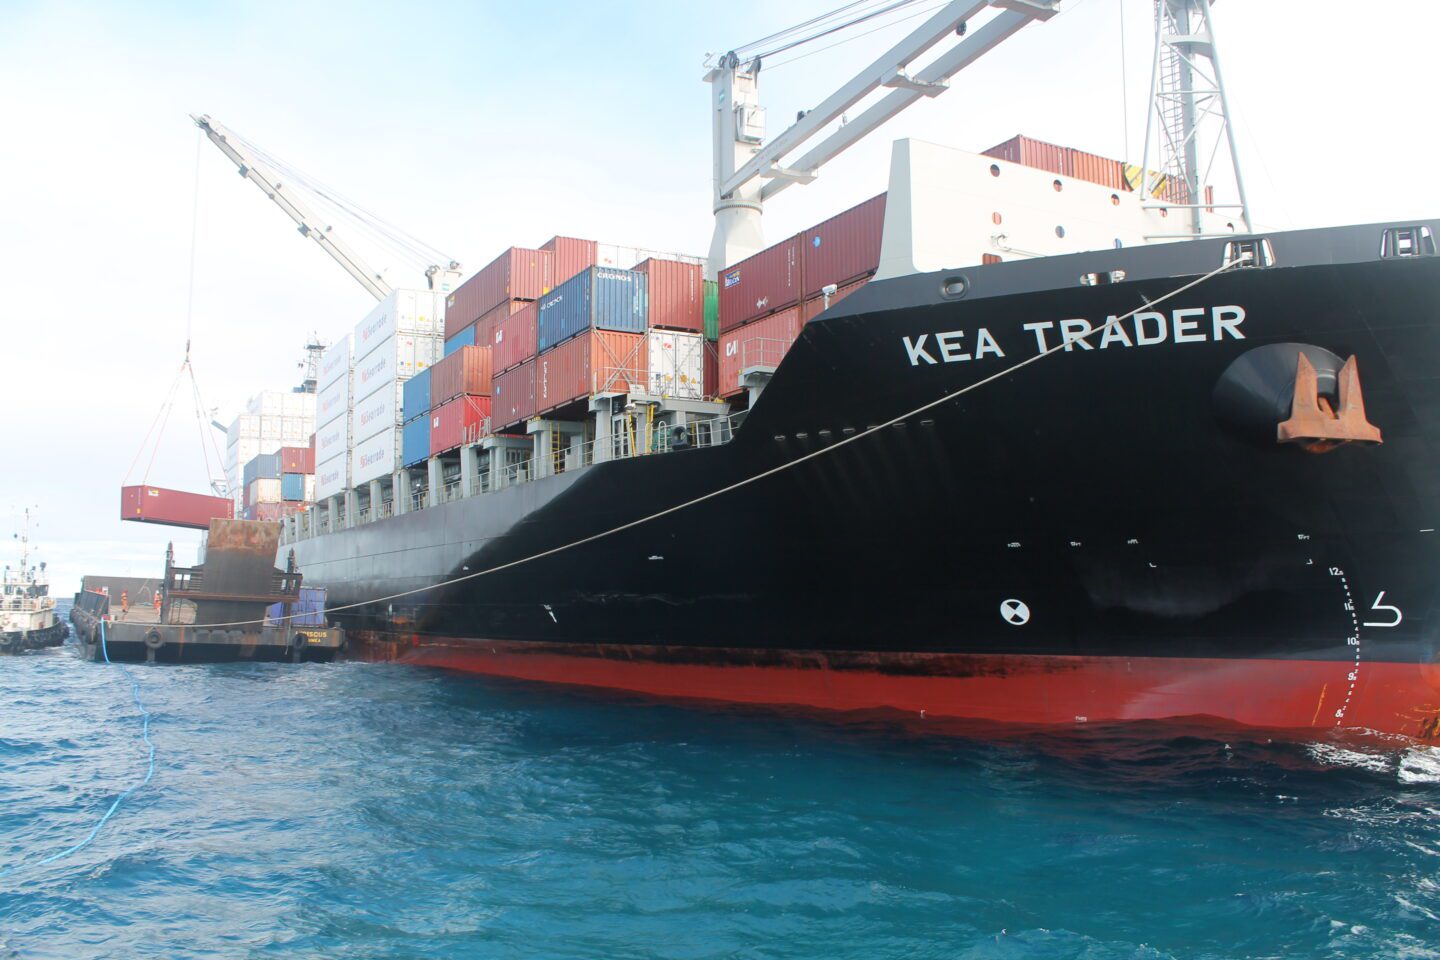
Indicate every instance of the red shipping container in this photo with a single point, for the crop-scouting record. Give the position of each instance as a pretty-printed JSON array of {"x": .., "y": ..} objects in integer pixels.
[
  {"x": 816, "y": 305},
  {"x": 676, "y": 294},
  {"x": 467, "y": 370},
  {"x": 568, "y": 257},
  {"x": 458, "y": 421},
  {"x": 760, "y": 285},
  {"x": 512, "y": 339},
  {"x": 761, "y": 343},
  {"x": 517, "y": 274},
  {"x": 844, "y": 247},
  {"x": 597, "y": 361},
  {"x": 1034, "y": 153},
  {"x": 514, "y": 399},
  {"x": 273, "y": 511},
  {"x": 485, "y": 326},
  {"x": 173, "y": 508},
  {"x": 1097, "y": 169},
  {"x": 297, "y": 459}
]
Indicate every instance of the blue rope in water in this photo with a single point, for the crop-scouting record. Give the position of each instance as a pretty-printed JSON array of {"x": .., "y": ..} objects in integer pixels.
[{"x": 150, "y": 772}]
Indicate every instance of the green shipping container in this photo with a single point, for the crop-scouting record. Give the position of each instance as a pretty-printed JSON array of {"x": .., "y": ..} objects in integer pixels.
[{"x": 712, "y": 310}]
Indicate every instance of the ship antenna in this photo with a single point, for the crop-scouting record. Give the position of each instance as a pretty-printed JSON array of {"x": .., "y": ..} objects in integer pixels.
[{"x": 1187, "y": 90}]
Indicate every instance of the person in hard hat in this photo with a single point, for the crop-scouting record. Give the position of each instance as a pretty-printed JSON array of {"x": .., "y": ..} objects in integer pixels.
[
  {"x": 124, "y": 603},
  {"x": 157, "y": 604}
]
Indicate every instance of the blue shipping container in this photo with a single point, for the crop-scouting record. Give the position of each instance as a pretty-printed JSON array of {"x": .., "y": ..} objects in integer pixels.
[
  {"x": 415, "y": 398},
  {"x": 292, "y": 486},
  {"x": 415, "y": 442},
  {"x": 264, "y": 467},
  {"x": 307, "y": 611},
  {"x": 465, "y": 338},
  {"x": 600, "y": 297}
]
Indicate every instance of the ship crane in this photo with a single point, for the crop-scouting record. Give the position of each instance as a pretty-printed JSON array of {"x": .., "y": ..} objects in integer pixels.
[
  {"x": 262, "y": 171},
  {"x": 748, "y": 171}
]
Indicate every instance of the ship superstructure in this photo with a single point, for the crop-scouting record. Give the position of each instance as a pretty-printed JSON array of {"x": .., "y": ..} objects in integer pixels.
[{"x": 27, "y": 611}]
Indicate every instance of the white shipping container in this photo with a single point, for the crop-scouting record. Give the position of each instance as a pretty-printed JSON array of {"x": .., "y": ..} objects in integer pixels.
[
  {"x": 375, "y": 458},
  {"x": 414, "y": 312},
  {"x": 332, "y": 477},
  {"x": 334, "y": 362},
  {"x": 333, "y": 439},
  {"x": 333, "y": 400},
  {"x": 394, "y": 361},
  {"x": 295, "y": 431},
  {"x": 298, "y": 405},
  {"x": 376, "y": 412},
  {"x": 244, "y": 427},
  {"x": 264, "y": 490},
  {"x": 677, "y": 364},
  {"x": 310, "y": 488},
  {"x": 625, "y": 258}
]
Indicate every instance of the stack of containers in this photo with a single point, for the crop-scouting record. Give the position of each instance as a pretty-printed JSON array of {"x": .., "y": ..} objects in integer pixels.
[
  {"x": 675, "y": 341},
  {"x": 502, "y": 286},
  {"x": 766, "y": 299},
  {"x": 591, "y": 338},
  {"x": 1065, "y": 161},
  {"x": 332, "y": 420},
  {"x": 415, "y": 435},
  {"x": 398, "y": 339},
  {"x": 297, "y": 475},
  {"x": 460, "y": 388},
  {"x": 272, "y": 419},
  {"x": 262, "y": 483}
]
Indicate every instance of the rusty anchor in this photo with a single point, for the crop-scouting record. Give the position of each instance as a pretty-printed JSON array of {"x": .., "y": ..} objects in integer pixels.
[{"x": 1318, "y": 427}]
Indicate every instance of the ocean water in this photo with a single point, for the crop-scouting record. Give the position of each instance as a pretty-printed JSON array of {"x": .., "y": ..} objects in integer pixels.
[{"x": 378, "y": 811}]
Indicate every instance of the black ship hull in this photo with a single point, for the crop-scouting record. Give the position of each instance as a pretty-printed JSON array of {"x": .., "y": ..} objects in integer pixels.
[
  {"x": 21, "y": 642},
  {"x": 1111, "y": 532}
]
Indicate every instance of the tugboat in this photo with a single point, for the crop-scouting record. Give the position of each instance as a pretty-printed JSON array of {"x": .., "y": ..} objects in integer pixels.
[{"x": 27, "y": 611}]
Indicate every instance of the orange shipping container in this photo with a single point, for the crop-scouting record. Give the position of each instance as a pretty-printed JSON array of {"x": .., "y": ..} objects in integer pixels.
[
  {"x": 466, "y": 371},
  {"x": 676, "y": 294},
  {"x": 569, "y": 256},
  {"x": 514, "y": 400},
  {"x": 761, "y": 343},
  {"x": 596, "y": 361}
]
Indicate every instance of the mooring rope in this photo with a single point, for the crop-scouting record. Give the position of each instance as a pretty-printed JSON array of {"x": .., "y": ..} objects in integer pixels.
[{"x": 115, "y": 805}]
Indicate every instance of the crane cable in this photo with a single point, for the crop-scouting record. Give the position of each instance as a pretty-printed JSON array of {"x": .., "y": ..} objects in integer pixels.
[{"x": 1065, "y": 344}]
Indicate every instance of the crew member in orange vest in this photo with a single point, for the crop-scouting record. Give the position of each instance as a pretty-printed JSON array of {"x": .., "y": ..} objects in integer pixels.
[
  {"x": 157, "y": 603},
  {"x": 124, "y": 602}
]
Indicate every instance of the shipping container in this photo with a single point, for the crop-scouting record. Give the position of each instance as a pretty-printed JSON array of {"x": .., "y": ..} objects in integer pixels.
[
  {"x": 595, "y": 362},
  {"x": 379, "y": 411},
  {"x": 334, "y": 362},
  {"x": 711, "y": 375},
  {"x": 816, "y": 305},
  {"x": 415, "y": 396},
  {"x": 760, "y": 344},
  {"x": 599, "y": 298},
  {"x": 712, "y": 310},
  {"x": 675, "y": 360},
  {"x": 333, "y": 400},
  {"x": 1097, "y": 169},
  {"x": 465, "y": 338},
  {"x": 332, "y": 476},
  {"x": 466, "y": 372},
  {"x": 173, "y": 508},
  {"x": 512, "y": 340},
  {"x": 760, "y": 285},
  {"x": 517, "y": 274},
  {"x": 1034, "y": 153},
  {"x": 297, "y": 460},
  {"x": 308, "y": 610},
  {"x": 675, "y": 294},
  {"x": 569, "y": 256},
  {"x": 375, "y": 458},
  {"x": 485, "y": 326},
  {"x": 292, "y": 486},
  {"x": 844, "y": 247},
  {"x": 399, "y": 358},
  {"x": 264, "y": 490},
  {"x": 458, "y": 421},
  {"x": 513, "y": 400},
  {"x": 332, "y": 440},
  {"x": 272, "y": 511},
  {"x": 415, "y": 312},
  {"x": 415, "y": 441},
  {"x": 265, "y": 465}
]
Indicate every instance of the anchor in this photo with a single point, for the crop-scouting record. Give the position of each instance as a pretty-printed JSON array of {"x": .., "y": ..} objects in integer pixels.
[{"x": 1315, "y": 424}]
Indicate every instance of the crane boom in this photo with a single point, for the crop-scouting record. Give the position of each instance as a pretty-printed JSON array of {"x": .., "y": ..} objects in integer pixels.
[
  {"x": 747, "y": 172},
  {"x": 256, "y": 171}
]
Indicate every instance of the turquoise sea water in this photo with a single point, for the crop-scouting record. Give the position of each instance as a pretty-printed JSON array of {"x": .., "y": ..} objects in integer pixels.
[{"x": 379, "y": 811}]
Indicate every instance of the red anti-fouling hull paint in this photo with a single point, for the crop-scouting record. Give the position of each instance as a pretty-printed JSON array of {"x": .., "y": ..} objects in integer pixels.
[{"x": 1387, "y": 697}]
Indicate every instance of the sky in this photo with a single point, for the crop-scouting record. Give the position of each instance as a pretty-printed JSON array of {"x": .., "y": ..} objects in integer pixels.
[{"x": 475, "y": 126}]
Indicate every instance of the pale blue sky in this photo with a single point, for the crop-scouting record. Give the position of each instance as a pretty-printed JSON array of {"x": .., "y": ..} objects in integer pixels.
[{"x": 476, "y": 126}]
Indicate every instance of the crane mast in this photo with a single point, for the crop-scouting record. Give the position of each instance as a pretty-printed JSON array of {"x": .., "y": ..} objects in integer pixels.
[{"x": 748, "y": 171}]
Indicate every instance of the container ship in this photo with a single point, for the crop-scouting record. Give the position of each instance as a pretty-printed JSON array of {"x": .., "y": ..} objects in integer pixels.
[{"x": 979, "y": 448}]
